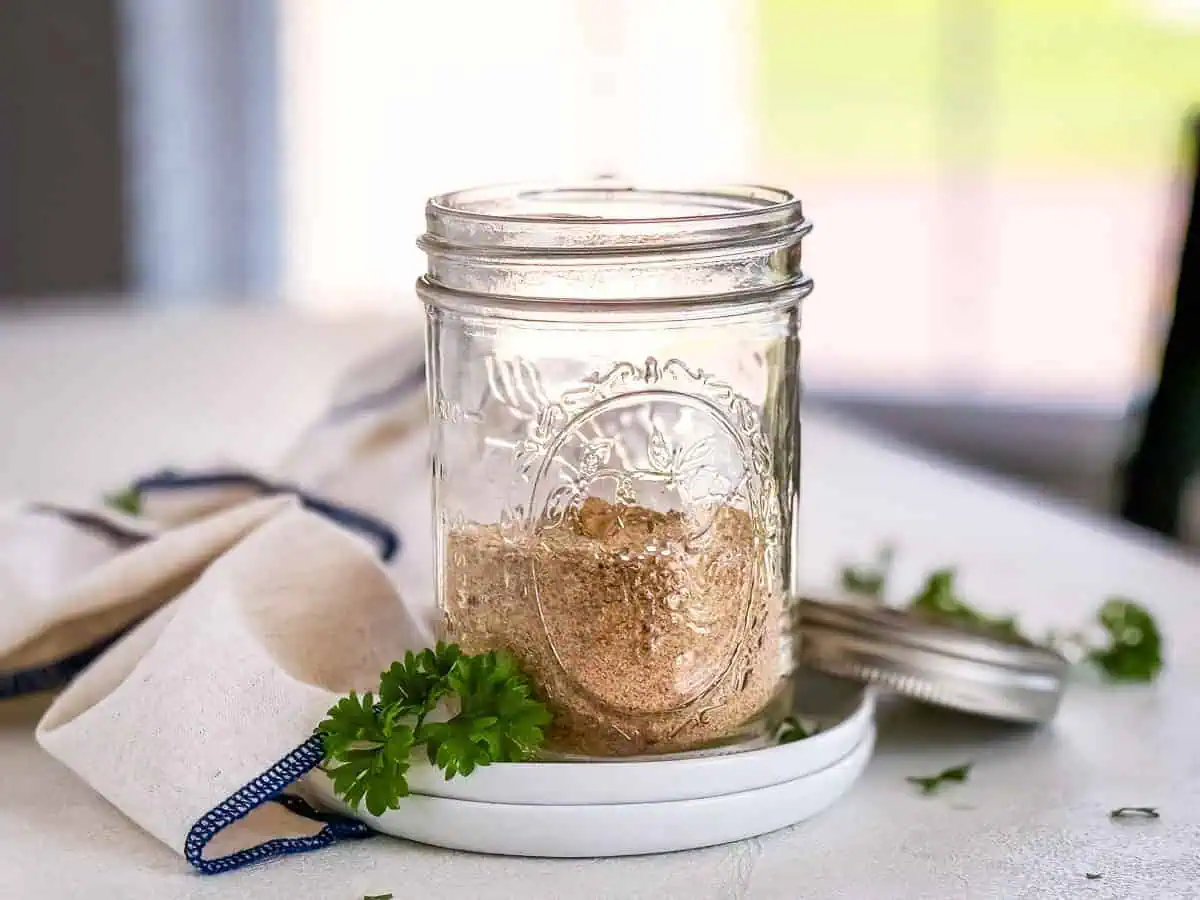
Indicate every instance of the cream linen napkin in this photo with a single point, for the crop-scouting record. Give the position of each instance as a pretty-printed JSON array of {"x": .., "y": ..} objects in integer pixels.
[
  {"x": 203, "y": 714},
  {"x": 222, "y": 623}
]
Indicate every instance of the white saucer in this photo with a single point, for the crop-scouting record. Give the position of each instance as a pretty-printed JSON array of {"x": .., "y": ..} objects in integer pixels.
[
  {"x": 616, "y": 829},
  {"x": 845, "y": 711}
]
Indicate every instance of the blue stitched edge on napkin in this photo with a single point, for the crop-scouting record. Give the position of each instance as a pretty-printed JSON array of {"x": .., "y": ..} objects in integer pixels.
[
  {"x": 269, "y": 787},
  {"x": 113, "y": 531},
  {"x": 54, "y": 675},
  {"x": 367, "y": 525}
]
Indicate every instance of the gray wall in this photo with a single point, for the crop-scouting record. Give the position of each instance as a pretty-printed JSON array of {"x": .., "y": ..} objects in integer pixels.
[{"x": 62, "y": 209}]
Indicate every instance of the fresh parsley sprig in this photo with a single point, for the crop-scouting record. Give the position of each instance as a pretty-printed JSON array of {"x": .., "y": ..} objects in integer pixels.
[
  {"x": 366, "y": 752},
  {"x": 369, "y": 740}
]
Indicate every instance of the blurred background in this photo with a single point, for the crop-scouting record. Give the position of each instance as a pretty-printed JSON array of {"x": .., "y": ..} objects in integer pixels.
[{"x": 1001, "y": 188}]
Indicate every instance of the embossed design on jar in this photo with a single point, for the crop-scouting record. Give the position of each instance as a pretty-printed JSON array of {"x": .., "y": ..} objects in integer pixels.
[
  {"x": 453, "y": 412},
  {"x": 576, "y": 416}
]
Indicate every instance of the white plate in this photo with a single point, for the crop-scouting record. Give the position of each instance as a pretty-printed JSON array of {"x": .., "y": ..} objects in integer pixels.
[
  {"x": 617, "y": 829},
  {"x": 845, "y": 711}
]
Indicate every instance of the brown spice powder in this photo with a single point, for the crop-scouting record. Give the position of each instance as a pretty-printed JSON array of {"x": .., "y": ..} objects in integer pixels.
[{"x": 639, "y": 638}]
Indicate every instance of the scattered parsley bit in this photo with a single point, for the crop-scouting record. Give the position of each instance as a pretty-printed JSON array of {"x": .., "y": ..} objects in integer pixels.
[
  {"x": 1134, "y": 652},
  {"x": 127, "y": 500},
  {"x": 792, "y": 730},
  {"x": 938, "y": 600},
  {"x": 368, "y": 741},
  {"x": 377, "y": 897},
  {"x": 869, "y": 580},
  {"x": 1135, "y": 812},
  {"x": 1092, "y": 876},
  {"x": 931, "y": 784}
]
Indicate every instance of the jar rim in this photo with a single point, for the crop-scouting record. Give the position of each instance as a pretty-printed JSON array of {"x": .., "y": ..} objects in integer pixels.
[
  {"x": 605, "y": 216},
  {"x": 633, "y": 311}
]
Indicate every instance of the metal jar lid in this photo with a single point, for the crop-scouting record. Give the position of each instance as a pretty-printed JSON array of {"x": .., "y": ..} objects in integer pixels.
[{"x": 943, "y": 664}]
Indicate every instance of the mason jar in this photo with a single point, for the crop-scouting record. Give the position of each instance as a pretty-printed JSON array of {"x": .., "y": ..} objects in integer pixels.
[{"x": 614, "y": 384}]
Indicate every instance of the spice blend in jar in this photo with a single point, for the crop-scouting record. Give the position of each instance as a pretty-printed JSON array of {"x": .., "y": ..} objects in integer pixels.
[{"x": 641, "y": 638}]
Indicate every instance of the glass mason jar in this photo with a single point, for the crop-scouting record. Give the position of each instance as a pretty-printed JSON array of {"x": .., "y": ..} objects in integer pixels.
[{"x": 614, "y": 387}]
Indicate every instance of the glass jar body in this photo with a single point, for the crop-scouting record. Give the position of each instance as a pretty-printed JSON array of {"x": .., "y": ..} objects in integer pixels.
[{"x": 614, "y": 492}]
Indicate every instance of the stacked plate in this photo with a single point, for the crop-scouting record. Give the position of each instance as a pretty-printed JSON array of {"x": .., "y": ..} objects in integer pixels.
[{"x": 641, "y": 805}]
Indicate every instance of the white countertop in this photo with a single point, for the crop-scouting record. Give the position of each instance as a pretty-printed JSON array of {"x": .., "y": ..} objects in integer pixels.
[{"x": 89, "y": 401}]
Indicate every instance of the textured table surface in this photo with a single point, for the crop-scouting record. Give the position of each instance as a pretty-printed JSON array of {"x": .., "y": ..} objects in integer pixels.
[{"x": 87, "y": 402}]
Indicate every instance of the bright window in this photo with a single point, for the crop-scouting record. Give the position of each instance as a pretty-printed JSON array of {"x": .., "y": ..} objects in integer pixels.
[{"x": 990, "y": 178}]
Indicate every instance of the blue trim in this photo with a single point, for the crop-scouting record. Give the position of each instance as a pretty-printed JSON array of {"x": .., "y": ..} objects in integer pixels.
[
  {"x": 115, "y": 532},
  {"x": 376, "y": 529},
  {"x": 269, "y": 787},
  {"x": 406, "y": 384},
  {"x": 56, "y": 674}
]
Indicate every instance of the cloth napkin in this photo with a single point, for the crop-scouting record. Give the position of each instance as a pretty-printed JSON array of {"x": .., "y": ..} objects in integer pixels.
[{"x": 204, "y": 638}]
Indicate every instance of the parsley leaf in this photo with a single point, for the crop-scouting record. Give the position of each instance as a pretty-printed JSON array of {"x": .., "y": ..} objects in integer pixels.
[
  {"x": 368, "y": 742},
  {"x": 377, "y": 897},
  {"x": 127, "y": 500},
  {"x": 792, "y": 730},
  {"x": 1131, "y": 812},
  {"x": 458, "y": 747},
  {"x": 366, "y": 752},
  {"x": 931, "y": 784},
  {"x": 939, "y": 600},
  {"x": 419, "y": 681},
  {"x": 869, "y": 580},
  {"x": 1134, "y": 652},
  {"x": 497, "y": 721}
]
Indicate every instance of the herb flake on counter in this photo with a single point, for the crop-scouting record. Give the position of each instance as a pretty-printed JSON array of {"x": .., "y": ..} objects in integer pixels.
[
  {"x": 377, "y": 897},
  {"x": 1134, "y": 651},
  {"x": 931, "y": 784},
  {"x": 368, "y": 740},
  {"x": 1092, "y": 876},
  {"x": 1135, "y": 812},
  {"x": 869, "y": 580}
]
